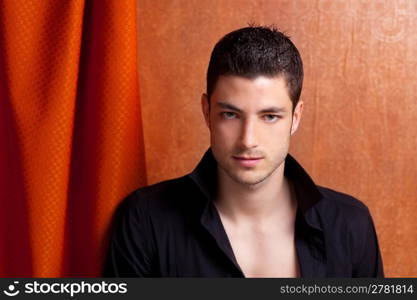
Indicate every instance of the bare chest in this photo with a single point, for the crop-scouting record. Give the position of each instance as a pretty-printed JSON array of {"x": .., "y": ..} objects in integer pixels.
[{"x": 268, "y": 254}]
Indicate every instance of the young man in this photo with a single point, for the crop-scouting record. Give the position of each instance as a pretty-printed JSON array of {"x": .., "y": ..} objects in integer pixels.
[{"x": 248, "y": 209}]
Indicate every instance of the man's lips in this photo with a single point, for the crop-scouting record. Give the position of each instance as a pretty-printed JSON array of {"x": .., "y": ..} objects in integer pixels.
[
  {"x": 247, "y": 158},
  {"x": 247, "y": 161}
]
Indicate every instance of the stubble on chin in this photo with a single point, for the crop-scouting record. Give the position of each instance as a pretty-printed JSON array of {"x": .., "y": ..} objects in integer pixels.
[{"x": 252, "y": 182}]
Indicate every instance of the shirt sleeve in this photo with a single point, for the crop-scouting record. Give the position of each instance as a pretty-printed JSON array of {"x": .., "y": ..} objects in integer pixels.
[
  {"x": 368, "y": 260},
  {"x": 131, "y": 250}
]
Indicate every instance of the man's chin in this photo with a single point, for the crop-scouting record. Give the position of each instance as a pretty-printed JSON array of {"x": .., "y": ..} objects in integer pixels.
[{"x": 250, "y": 181}]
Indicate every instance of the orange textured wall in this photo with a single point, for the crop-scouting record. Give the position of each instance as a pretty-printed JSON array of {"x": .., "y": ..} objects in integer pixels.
[{"x": 357, "y": 134}]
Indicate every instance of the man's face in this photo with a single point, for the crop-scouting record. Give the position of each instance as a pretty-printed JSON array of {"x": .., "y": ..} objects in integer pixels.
[{"x": 250, "y": 122}]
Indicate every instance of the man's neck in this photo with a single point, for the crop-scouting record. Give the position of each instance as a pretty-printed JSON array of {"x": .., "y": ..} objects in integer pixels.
[{"x": 269, "y": 199}]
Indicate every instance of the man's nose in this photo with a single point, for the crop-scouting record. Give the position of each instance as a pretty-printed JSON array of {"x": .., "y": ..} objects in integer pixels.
[{"x": 248, "y": 134}]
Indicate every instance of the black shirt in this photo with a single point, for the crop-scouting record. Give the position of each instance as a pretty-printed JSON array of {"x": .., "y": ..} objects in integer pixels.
[{"x": 172, "y": 229}]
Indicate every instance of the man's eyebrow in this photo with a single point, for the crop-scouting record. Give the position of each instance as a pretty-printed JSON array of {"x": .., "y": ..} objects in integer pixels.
[
  {"x": 228, "y": 106},
  {"x": 272, "y": 109}
]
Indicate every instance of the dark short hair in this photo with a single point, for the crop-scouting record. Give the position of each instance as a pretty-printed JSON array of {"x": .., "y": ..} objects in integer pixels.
[{"x": 257, "y": 51}]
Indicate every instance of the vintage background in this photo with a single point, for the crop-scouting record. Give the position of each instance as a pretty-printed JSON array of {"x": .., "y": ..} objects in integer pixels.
[
  {"x": 100, "y": 97},
  {"x": 358, "y": 133}
]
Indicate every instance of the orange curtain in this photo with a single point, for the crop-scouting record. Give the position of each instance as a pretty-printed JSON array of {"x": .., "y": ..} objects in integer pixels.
[{"x": 70, "y": 131}]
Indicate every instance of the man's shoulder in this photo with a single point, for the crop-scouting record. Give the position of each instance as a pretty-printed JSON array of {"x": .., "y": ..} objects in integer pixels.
[
  {"x": 342, "y": 206},
  {"x": 341, "y": 200},
  {"x": 163, "y": 188},
  {"x": 161, "y": 196},
  {"x": 350, "y": 233}
]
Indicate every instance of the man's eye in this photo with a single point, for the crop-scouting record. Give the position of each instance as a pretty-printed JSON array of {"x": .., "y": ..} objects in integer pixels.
[
  {"x": 228, "y": 115},
  {"x": 271, "y": 118}
]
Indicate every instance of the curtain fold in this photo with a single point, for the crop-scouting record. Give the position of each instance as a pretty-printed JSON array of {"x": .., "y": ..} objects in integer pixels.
[{"x": 70, "y": 131}]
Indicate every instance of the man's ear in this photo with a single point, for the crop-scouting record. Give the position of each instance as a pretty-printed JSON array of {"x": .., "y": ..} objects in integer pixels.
[
  {"x": 298, "y": 111},
  {"x": 205, "y": 106}
]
